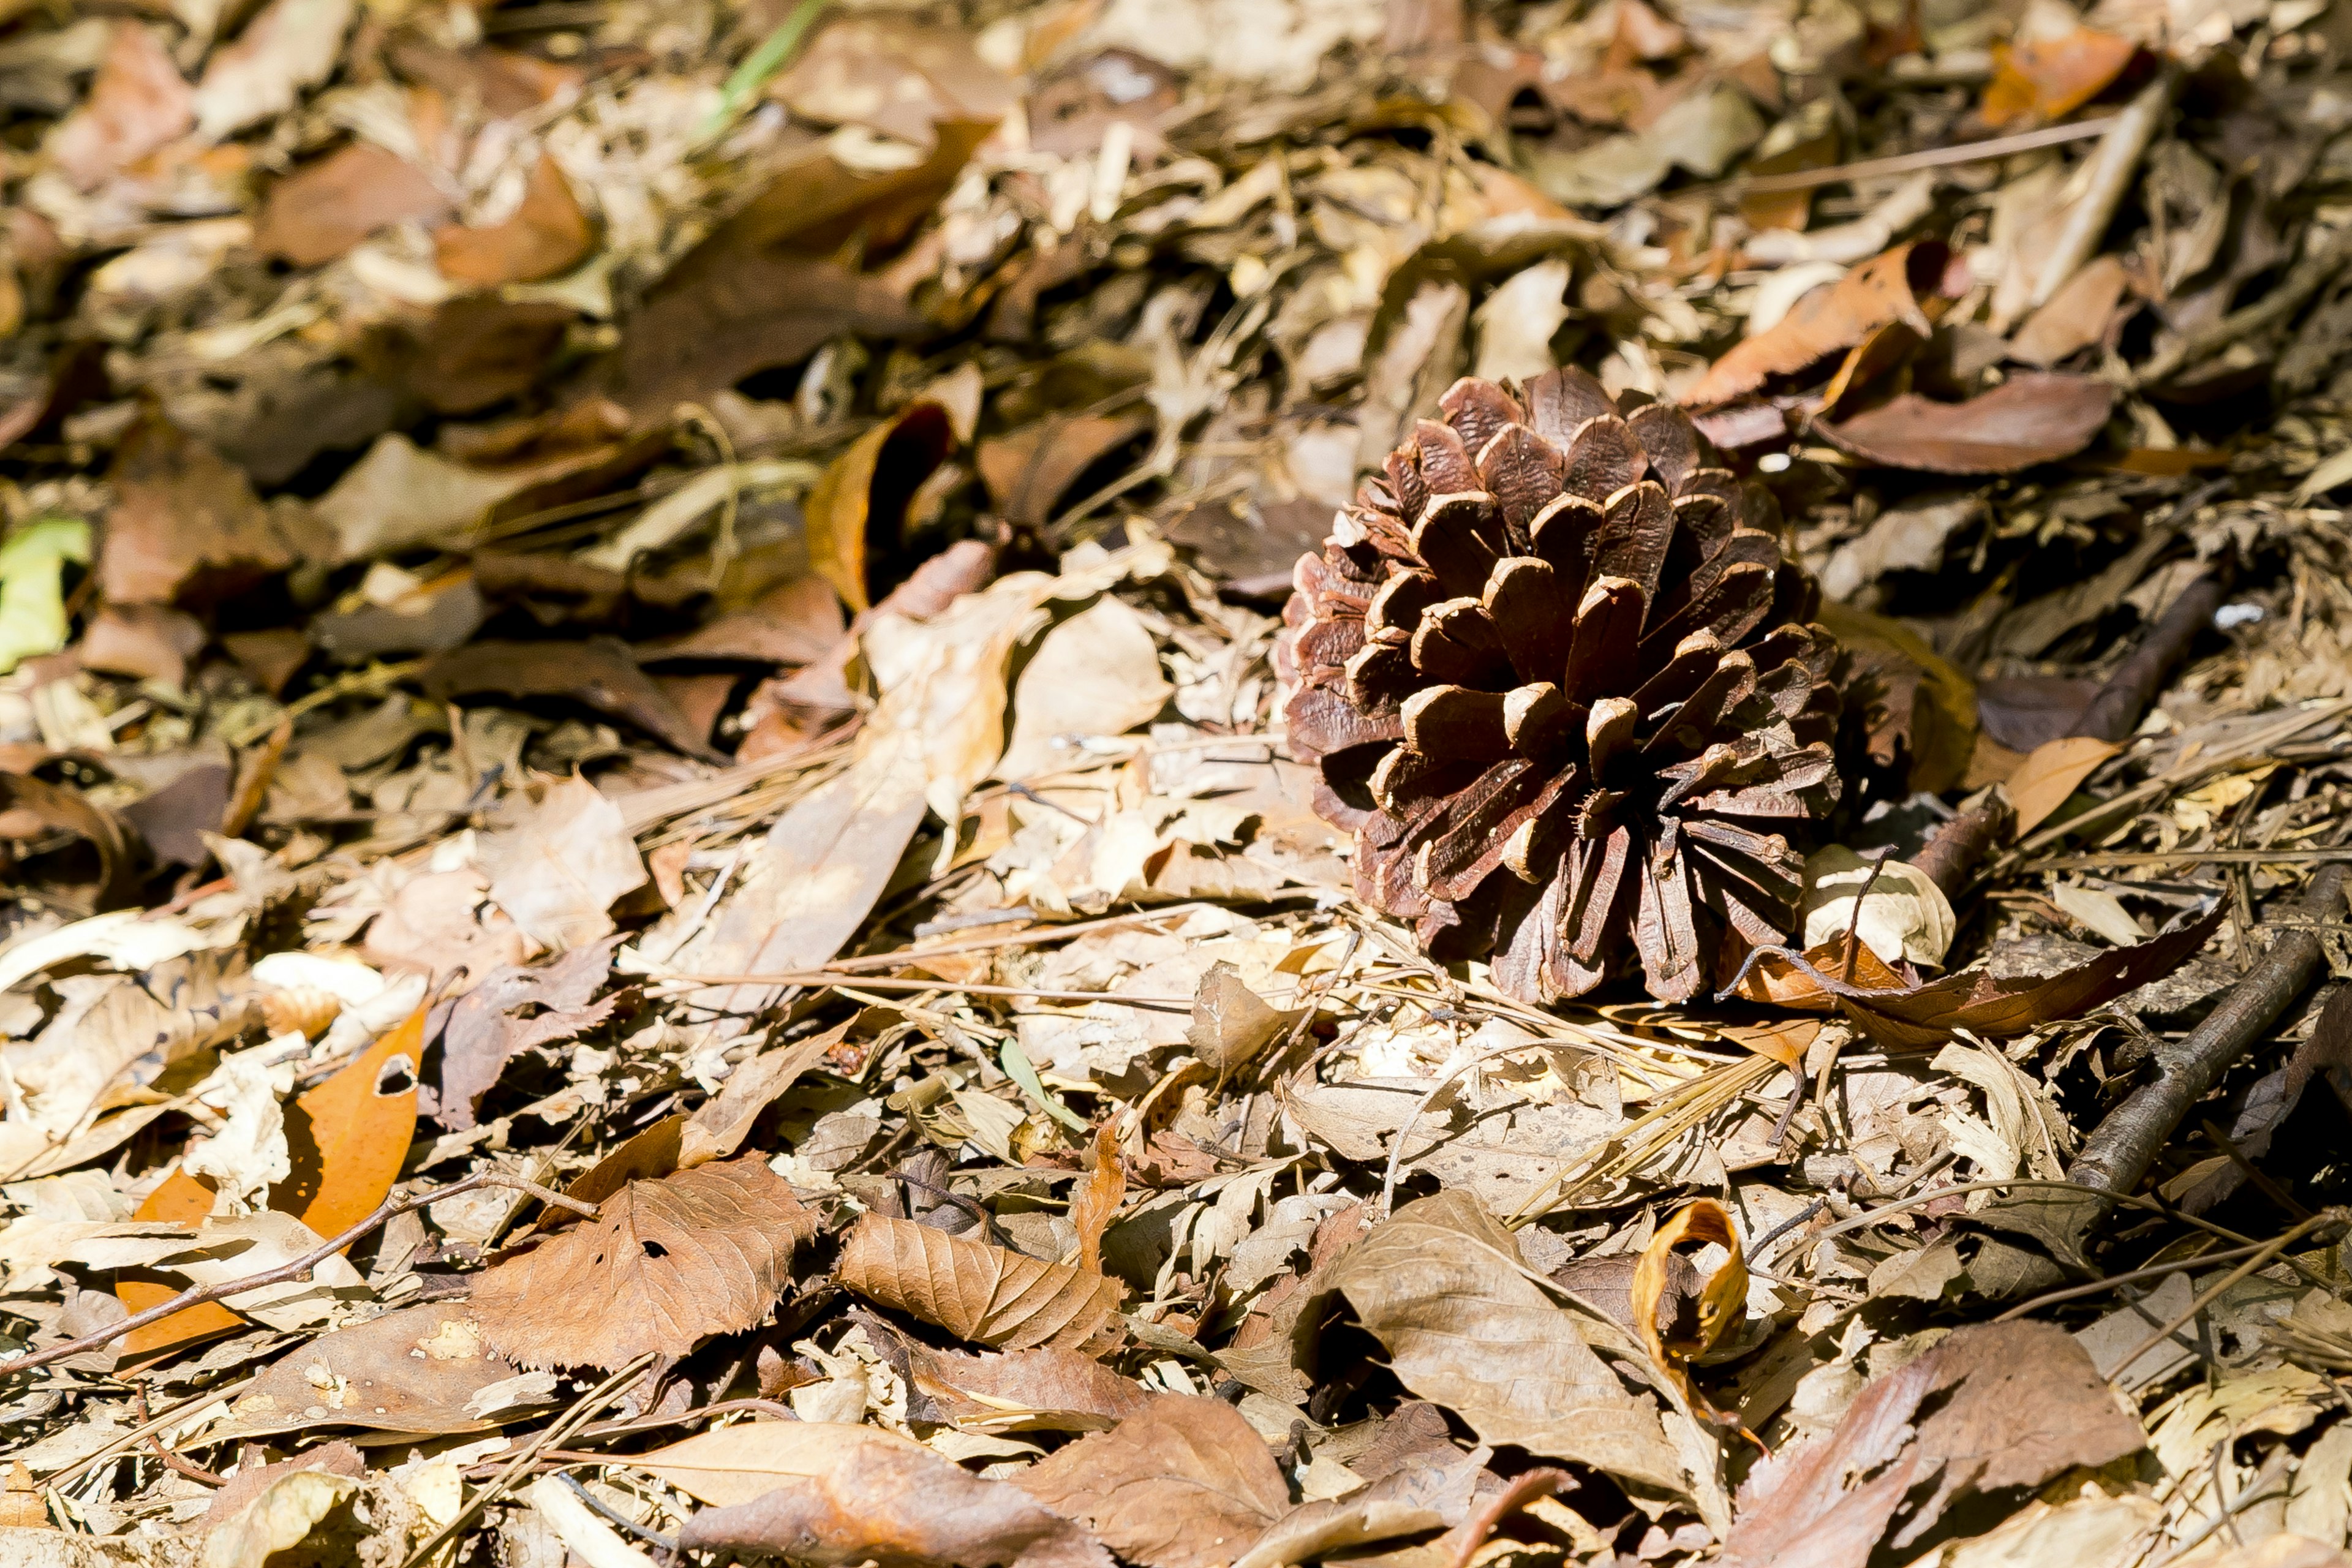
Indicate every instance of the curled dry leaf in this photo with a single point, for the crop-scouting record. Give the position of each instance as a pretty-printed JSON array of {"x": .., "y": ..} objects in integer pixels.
[
  {"x": 557, "y": 870},
  {"x": 2051, "y": 774},
  {"x": 990, "y": 1295},
  {"x": 821, "y": 1492},
  {"x": 1721, "y": 1297},
  {"x": 1995, "y": 1009},
  {"x": 719, "y": 1127},
  {"x": 510, "y": 1011},
  {"x": 1888, "y": 288},
  {"x": 1994, "y": 1407},
  {"x": 1441, "y": 1285},
  {"x": 2032, "y": 417},
  {"x": 663, "y": 1265},
  {"x": 1903, "y": 916},
  {"x": 1431, "y": 1491},
  {"x": 858, "y": 509},
  {"x": 1044, "y": 1387},
  {"x": 1186, "y": 1483},
  {"x": 1097, "y": 1198}
]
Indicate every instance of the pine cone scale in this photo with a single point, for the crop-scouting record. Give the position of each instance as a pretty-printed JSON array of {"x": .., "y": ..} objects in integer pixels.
[{"x": 1553, "y": 672}]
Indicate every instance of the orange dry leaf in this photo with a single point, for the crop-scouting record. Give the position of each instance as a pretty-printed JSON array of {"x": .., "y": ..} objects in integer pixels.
[
  {"x": 1721, "y": 1297},
  {"x": 2050, "y": 774},
  {"x": 1097, "y": 1198},
  {"x": 548, "y": 235},
  {"x": 1890, "y": 287},
  {"x": 2051, "y": 77},
  {"x": 322, "y": 210},
  {"x": 346, "y": 1138}
]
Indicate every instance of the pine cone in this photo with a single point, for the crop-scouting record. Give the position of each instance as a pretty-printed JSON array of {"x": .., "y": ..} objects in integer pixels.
[{"x": 1556, "y": 673}]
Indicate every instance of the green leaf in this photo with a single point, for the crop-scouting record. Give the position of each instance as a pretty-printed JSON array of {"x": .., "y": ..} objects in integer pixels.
[{"x": 32, "y": 586}]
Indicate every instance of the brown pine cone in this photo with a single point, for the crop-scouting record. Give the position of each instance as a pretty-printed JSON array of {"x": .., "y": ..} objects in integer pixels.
[{"x": 1556, "y": 672}]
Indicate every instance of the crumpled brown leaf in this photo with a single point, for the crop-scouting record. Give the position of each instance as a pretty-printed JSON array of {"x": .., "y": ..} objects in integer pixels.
[
  {"x": 487, "y": 1027},
  {"x": 1185, "y": 1483},
  {"x": 992, "y": 1294},
  {"x": 820, "y": 1492},
  {"x": 663, "y": 1265},
  {"x": 1994, "y": 1407}
]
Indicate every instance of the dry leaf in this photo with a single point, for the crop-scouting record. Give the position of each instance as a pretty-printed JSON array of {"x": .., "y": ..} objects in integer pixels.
[
  {"x": 1186, "y": 1483},
  {"x": 598, "y": 672},
  {"x": 277, "y": 1521},
  {"x": 1903, "y": 916},
  {"x": 322, "y": 210},
  {"x": 346, "y": 1140},
  {"x": 1030, "y": 470},
  {"x": 1887, "y": 288},
  {"x": 138, "y": 103},
  {"x": 857, "y": 510},
  {"x": 1441, "y": 1286},
  {"x": 2046, "y": 77},
  {"x": 663, "y": 1266},
  {"x": 2032, "y": 417},
  {"x": 992, "y": 1294},
  {"x": 1045, "y": 1386},
  {"x": 1231, "y": 1025},
  {"x": 558, "y": 871},
  {"x": 1095, "y": 674},
  {"x": 291, "y": 46},
  {"x": 719, "y": 1127},
  {"x": 1722, "y": 1297},
  {"x": 1992, "y": 1407},
  {"x": 824, "y": 1493},
  {"x": 548, "y": 235},
  {"x": 2076, "y": 317},
  {"x": 1919, "y": 712},
  {"x": 2051, "y": 774}
]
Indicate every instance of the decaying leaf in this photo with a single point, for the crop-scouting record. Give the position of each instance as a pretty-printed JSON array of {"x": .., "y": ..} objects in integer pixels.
[
  {"x": 987, "y": 1294},
  {"x": 663, "y": 1265},
  {"x": 1991, "y": 1408},
  {"x": 1441, "y": 1286},
  {"x": 858, "y": 511},
  {"x": 839, "y": 1494},
  {"x": 1716, "y": 1303},
  {"x": 1903, "y": 916},
  {"x": 2051, "y": 774},
  {"x": 1183, "y": 1483},
  {"x": 559, "y": 870},
  {"x": 417, "y": 1369},
  {"x": 509, "y": 1012},
  {"x": 1231, "y": 1025},
  {"x": 724, "y": 1121}
]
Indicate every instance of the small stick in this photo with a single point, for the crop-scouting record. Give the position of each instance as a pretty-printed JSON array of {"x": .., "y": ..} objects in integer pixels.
[
  {"x": 2212, "y": 1293},
  {"x": 2120, "y": 1150},
  {"x": 2115, "y": 710},
  {"x": 672, "y": 983},
  {"x": 1949, "y": 859},
  {"x": 2112, "y": 164},
  {"x": 1933, "y": 158},
  {"x": 197, "y": 1295}
]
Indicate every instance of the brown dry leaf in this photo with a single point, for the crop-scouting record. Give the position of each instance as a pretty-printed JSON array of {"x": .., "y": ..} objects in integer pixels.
[
  {"x": 1044, "y": 1387},
  {"x": 437, "y": 925},
  {"x": 1994, "y": 1009},
  {"x": 2050, "y": 775},
  {"x": 821, "y": 1492},
  {"x": 990, "y": 1295},
  {"x": 547, "y": 235},
  {"x": 37, "y": 806},
  {"x": 146, "y": 642},
  {"x": 510, "y": 1011},
  {"x": 2032, "y": 417},
  {"x": 2045, "y": 78},
  {"x": 1028, "y": 470},
  {"x": 2076, "y": 317},
  {"x": 1887, "y": 288},
  {"x": 664, "y": 1265},
  {"x": 418, "y": 1370},
  {"x": 322, "y": 209},
  {"x": 1097, "y": 1198},
  {"x": 1781, "y": 984},
  {"x": 559, "y": 870},
  {"x": 1431, "y": 1489},
  {"x": 719, "y": 1125},
  {"x": 857, "y": 509},
  {"x": 1231, "y": 1025},
  {"x": 1994, "y": 1407},
  {"x": 345, "y": 1137},
  {"x": 598, "y": 672},
  {"x": 137, "y": 103},
  {"x": 1721, "y": 1297},
  {"x": 1186, "y": 1483},
  {"x": 1441, "y": 1285},
  {"x": 894, "y": 75},
  {"x": 185, "y": 525}
]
